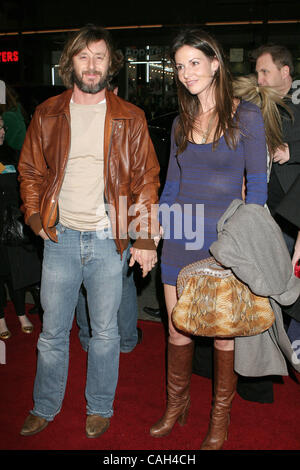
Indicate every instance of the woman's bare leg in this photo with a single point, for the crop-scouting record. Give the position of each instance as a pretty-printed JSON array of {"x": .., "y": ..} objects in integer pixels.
[
  {"x": 176, "y": 337},
  {"x": 224, "y": 344}
]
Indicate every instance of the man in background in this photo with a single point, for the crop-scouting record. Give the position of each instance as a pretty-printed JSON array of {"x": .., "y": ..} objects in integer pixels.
[{"x": 274, "y": 68}]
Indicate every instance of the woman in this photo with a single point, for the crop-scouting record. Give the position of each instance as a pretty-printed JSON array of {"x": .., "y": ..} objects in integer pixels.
[
  {"x": 19, "y": 267},
  {"x": 14, "y": 117},
  {"x": 215, "y": 140}
]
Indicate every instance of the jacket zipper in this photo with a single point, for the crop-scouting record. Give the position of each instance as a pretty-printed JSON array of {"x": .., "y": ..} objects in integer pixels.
[
  {"x": 107, "y": 170},
  {"x": 109, "y": 152}
]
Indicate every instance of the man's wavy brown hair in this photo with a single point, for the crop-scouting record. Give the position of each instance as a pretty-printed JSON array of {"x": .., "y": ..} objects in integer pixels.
[{"x": 81, "y": 39}]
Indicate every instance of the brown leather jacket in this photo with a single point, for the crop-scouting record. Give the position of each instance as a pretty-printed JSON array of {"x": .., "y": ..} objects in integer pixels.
[{"x": 130, "y": 167}]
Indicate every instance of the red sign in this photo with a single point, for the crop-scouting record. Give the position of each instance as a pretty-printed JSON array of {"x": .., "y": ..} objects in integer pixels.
[{"x": 9, "y": 56}]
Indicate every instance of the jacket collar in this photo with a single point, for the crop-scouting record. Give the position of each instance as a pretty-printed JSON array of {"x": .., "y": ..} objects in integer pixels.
[
  {"x": 59, "y": 104},
  {"x": 117, "y": 108}
]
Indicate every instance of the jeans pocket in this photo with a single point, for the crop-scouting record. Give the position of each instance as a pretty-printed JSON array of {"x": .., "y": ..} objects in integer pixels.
[
  {"x": 105, "y": 233},
  {"x": 60, "y": 229}
]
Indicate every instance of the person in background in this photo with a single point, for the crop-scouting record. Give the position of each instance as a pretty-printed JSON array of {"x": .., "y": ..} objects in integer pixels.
[
  {"x": 274, "y": 68},
  {"x": 269, "y": 101},
  {"x": 86, "y": 160},
  {"x": 289, "y": 210},
  {"x": 130, "y": 334},
  {"x": 14, "y": 118},
  {"x": 19, "y": 266},
  {"x": 215, "y": 138}
]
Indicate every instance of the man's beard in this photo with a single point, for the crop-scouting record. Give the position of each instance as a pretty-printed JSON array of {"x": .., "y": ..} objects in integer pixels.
[{"x": 92, "y": 88}]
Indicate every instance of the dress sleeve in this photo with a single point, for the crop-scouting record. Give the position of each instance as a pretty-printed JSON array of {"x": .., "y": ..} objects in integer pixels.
[
  {"x": 172, "y": 183},
  {"x": 255, "y": 151}
]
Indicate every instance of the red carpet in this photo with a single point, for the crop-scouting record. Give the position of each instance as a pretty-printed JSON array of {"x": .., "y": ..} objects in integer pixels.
[{"x": 139, "y": 402}]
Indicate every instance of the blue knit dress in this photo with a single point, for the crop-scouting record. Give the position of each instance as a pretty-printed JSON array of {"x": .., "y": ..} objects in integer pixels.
[{"x": 202, "y": 182}]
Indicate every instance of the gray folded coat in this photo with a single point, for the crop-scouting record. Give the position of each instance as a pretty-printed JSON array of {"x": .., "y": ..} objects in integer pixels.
[{"x": 251, "y": 243}]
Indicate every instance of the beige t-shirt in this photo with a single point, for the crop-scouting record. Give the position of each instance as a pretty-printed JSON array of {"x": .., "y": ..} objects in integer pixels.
[{"x": 81, "y": 201}]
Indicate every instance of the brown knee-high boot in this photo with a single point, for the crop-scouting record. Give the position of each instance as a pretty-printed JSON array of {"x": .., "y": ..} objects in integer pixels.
[
  {"x": 179, "y": 373},
  {"x": 225, "y": 380}
]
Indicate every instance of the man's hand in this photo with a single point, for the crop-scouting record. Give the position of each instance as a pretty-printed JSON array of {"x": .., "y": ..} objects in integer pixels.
[
  {"x": 43, "y": 234},
  {"x": 281, "y": 154},
  {"x": 146, "y": 259}
]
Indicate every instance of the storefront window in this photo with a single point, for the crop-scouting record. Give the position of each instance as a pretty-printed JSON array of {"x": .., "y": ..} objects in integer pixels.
[{"x": 150, "y": 80}]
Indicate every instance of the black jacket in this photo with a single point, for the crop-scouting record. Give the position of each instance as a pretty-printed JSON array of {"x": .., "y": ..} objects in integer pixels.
[
  {"x": 23, "y": 264},
  {"x": 283, "y": 176},
  {"x": 289, "y": 207}
]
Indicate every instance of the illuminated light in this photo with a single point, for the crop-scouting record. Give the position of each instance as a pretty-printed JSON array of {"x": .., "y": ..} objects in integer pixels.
[
  {"x": 237, "y": 23},
  {"x": 149, "y": 26},
  {"x": 145, "y": 62},
  {"x": 9, "y": 34},
  {"x": 283, "y": 21},
  {"x": 45, "y": 31},
  {"x": 9, "y": 56},
  {"x": 231, "y": 23},
  {"x": 144, "y": 26}
]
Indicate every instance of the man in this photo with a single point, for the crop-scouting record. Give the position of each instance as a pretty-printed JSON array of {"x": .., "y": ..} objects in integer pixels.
[
  {"x": 130, "y": 334},
  {"x": 274, "y": 67},
  {"x": 87, "y": 158}
]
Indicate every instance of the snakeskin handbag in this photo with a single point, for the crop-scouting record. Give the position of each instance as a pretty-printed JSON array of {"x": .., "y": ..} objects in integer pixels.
[{"x": 213, "y": 302}]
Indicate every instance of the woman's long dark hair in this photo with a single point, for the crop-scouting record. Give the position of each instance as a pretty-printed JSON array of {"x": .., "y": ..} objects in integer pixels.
[{"x": 189, "y": 105}]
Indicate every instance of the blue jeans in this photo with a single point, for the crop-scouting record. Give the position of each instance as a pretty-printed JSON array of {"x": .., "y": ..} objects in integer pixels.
[
  {"x": 127, "y": 314},
  {"x": 79, "y": 257}
]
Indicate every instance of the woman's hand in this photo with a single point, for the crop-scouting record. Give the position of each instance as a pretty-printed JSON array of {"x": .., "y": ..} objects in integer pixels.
[{"x": 146, "y": 259}]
